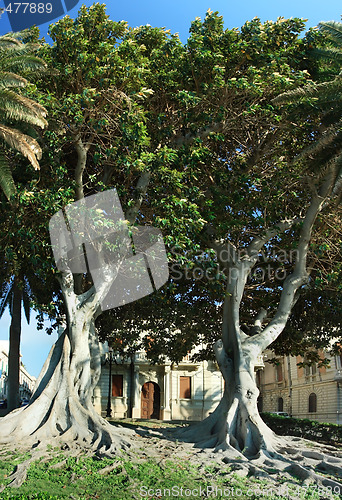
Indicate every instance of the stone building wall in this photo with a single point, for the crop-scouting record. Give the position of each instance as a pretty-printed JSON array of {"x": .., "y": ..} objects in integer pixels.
[
  {"x": 296, "y": 385},
  {"x": 206, "y": 388},
  {"x": 284, "y": 387}
]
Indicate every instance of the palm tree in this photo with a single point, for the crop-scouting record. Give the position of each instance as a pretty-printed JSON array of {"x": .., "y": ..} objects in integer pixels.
[
  {"x": 17, "y": 60},
  {"x": 323, "y": 102},
  {"x": 14, "y": 293}
]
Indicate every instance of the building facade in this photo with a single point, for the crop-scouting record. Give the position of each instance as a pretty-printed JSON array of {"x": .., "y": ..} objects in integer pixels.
[
  {"x": 191, "y": 390},
  {"x": 26, "y": 381},
  {"x": 185, "y": 391},
  {"x": 302, "y": 392}
]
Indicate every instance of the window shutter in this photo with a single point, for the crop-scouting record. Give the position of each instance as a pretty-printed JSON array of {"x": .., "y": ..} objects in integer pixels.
[
  {"x": 279, "y": 373},
  {"x": 185, "y": 387},
  {"x": 117, "y": 386}
]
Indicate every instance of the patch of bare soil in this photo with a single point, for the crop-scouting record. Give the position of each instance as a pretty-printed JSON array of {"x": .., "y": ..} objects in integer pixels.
[
  {"x": 296, "y": 462},
  {"x": 296, "y": 459}
]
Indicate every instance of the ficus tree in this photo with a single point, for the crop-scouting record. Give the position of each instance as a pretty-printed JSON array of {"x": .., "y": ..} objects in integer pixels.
[
  {"x": 263, "y": 215},
  {"x": 97, "y": 134},
  {"x": 89, "y": 114},
  {"x": 244, "y": 221},
  {"x": 191, "y": 140}
]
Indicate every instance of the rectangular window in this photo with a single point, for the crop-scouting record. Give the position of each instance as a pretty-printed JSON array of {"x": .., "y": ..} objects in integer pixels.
[
  {"x": 279, "y": 373},
  {"x": 117, "y": 386},
  {"x": 185, "y": 387},
  {"x": 300, "y": 370}
]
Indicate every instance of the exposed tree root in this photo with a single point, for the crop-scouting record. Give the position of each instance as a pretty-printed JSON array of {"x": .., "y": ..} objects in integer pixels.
[
  {"x": 38, "y": 451},
  {"x": 282, "y": 456},
  {"x": 295, "y": 460},
  {"x": 236, "y": 433},
  {"x": 233, "y": 429},
  {"x": 109, "y": 468},
  {"x": 61, "y": 415}
]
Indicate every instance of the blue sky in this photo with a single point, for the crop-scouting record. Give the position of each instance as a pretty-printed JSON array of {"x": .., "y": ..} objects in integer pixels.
[
  {"x": 35, "y": 345},
  {"x": 178, "y": 14},
  {"x": 175, "y": 15}
]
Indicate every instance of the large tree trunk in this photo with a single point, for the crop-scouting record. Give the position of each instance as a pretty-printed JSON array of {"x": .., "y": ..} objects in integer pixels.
[
  {"x": 236, "y": 426},
  {"x": 61, "y": 407},
  {"x": 61, "y": 410},
  {"x": 13, "y": 397}
]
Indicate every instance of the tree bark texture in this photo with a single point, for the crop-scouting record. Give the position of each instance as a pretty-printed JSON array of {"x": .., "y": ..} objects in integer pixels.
[
  {"x": 236, "y": 426},
  {"x": 61, "y": 409},
  {"x": 13, "y": 396}
]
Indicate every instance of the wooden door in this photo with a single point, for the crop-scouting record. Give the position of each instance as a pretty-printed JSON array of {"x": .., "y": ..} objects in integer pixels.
[{"x": 150, "y": 400}]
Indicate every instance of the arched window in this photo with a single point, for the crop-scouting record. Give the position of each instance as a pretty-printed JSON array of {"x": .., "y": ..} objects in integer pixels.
[
  {"x": 280, "y": 404},
  {"x": 312, "y": 403}
]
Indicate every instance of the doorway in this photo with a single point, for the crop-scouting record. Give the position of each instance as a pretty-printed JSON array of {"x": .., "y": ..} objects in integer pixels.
[{"x": 150, "y": 400}]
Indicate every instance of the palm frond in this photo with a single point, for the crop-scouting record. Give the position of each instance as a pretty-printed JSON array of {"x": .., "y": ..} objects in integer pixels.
[
  {"x": 20, "y": 108},
  {"x": 6, "y": 179},
  {"x": 332, "y": 54},
  {"x": 333, "y": 29},
  {"x": 323, "y": 102},
  {"x": 26, "y": 296},
  {"x": 326, "y": 139},
  {"x": 16, "y": 60},
  {"x": 337, "y": 189},
  {"x": 11, "y": 80},
  {"x": 20, "y": 63},
  {"x": 332, "y": 88},
  {"x": 23, "y": 143},
  {"x": 5, "y": 296},
  {"x": 7, "y": 42},
  {"x": 11, "y": 43}
]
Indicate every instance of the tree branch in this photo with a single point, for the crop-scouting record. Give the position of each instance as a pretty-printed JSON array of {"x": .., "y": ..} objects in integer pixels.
[
  {"x": 82, "y": 151},
  {"x": 141, "y": 190},
  {"x": 256, "y": 245},
  {"x": 66, "y": 281},
  {"x": 258, "y": 322},
  {"x": 183, "y": 140},
  {"x": 300, "y": 274}
]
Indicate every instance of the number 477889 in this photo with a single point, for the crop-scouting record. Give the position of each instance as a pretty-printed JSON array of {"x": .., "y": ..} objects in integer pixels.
[{"x": 29, "y": 8}]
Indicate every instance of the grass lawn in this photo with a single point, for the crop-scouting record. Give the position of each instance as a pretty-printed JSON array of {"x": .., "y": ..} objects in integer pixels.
[
  {"x": 80, "y": 479},
  {"x": 133, "y": 477}
]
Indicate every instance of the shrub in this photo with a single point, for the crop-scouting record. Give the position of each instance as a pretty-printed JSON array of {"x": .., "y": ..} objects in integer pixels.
[{"x": 305, "y": 428}]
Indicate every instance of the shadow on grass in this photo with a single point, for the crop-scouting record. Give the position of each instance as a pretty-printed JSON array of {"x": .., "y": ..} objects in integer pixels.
[{"x": 153, "y": 428}]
